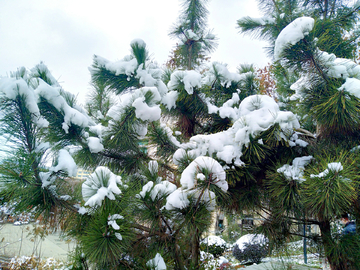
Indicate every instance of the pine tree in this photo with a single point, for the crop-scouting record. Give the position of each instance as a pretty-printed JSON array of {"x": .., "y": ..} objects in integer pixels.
[
  {"x": 314, "y": 71},
  {"x": 165, "y": 147}
]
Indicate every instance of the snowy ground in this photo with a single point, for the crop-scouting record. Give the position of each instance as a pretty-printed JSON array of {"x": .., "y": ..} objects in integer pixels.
[{"x": 16, "y": 241}]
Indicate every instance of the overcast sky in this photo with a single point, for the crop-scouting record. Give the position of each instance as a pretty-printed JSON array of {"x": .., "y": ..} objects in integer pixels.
[{"x": 65, "y": 34}]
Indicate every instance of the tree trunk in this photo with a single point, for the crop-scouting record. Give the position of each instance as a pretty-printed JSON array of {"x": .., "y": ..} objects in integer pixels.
[
  {"x": 336, "y": 262},
  {"x": 195, "y": 249}
]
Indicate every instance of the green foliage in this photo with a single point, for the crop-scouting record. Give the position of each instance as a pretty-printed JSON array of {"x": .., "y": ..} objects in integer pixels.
[
  {"x": 214, "y": 249},
  {"x": 252, "y": 253},
  {"x": 195, "y": 40},
  {"x": 328, "y": 195}
]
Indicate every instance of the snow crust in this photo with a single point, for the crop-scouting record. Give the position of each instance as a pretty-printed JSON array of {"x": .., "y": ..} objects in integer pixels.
[{"x": 292, "y": 33}]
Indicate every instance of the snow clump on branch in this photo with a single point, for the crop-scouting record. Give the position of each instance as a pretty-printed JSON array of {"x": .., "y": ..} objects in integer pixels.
[
  {"x": 256, "y": 114},
  {"x": 102, "y": 183},
  {"x": 196, "y": 180},
  {"x": 292, "y": 34}
]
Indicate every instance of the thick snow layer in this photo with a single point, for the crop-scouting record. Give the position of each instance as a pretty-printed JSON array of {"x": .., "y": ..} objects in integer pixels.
[
  {"x": 65, "y": 163},
  {"x": 157, "y": 263},
  {"x": 292, "y": 33},
  {"x": 252, "y": 239},
  {"x": 169, "y": 100},
  {"x": 53, "y": 96},
  {"x": 339, "y": 67},
  {"x": 189, "y": 180},
  {"x": 138, "y": 42},
  {"x": 256, "y": 114},
  {"x": 296, "y": 170},
  {"x": 228, "y": 109},
  {"x": 12, "y": 88},
  {"x": 102, "y": 183},
  {"x": 352, "y": 86},
  {"x": 43, "y": 69},
  {"x": 95, "y": 144},
  {"x": 125, "y": 66},
  {"x": 145, "y": 112},
  {"x": 190, "y": 79},
  {"x": 149, "y": 75},
  {"x": 221, "y": 72},
  {"x": 169, "y": 133},
  {"x": 177, "y": 200}
]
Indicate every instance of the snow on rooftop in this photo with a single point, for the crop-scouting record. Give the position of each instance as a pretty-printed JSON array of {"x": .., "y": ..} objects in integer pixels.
[{"x": 292, "y": 33}]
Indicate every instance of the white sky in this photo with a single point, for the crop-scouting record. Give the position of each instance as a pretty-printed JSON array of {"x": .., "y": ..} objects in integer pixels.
[{"x": 65, "y": 34}]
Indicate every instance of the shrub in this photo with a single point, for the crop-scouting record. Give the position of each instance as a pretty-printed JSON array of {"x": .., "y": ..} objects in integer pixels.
[
  {"x": 250, "y": 252},
  {"x": 213, "y": 245}
]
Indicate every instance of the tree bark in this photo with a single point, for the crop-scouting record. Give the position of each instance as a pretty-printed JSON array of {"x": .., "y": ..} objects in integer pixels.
[
  {"x": 329, "y": 247},
  {"x": 195, "y": 249}
]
